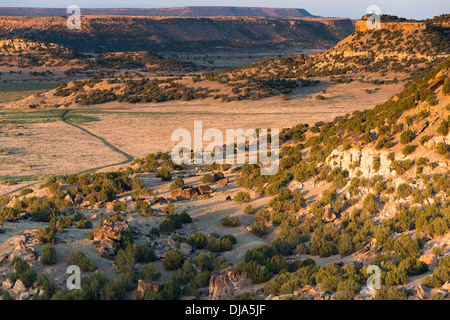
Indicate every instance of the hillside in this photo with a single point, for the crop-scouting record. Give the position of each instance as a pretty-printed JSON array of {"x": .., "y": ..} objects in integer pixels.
[
  {"x": 199, "y": 11},
  {"x": 103, "y": 34},
  {"x": 399, "y": 55},
  {"x": 407, "y": 50},
  {"x": 370, "y": 188},
  {"x": 23, "y": 52}
]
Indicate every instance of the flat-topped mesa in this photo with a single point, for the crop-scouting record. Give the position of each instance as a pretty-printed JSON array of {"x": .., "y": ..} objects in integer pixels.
[{"x": 361, "y": 25}]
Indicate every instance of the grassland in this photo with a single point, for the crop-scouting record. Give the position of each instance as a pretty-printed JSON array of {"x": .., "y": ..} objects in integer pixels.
[
  {"x": 43, "y": 116},
  {"x": 17, "y": 91}
]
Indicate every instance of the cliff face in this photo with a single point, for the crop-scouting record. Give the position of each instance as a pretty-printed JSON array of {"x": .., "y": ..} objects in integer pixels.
[
  {"x": 160, "y": 34},
  {"x": 200, "y": 11},
  {"x": 361, "y": 25}
]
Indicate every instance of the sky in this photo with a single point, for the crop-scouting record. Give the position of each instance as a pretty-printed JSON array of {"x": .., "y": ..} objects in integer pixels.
[{"x": 412, "y": 9}]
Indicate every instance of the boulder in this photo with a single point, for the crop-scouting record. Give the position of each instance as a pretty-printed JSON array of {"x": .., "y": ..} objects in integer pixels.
[
  {"x": 19, "y": 287},
  {"x": 111, "y": 205},
  {"x": 189, "y": 192},
  {"x": 329, "y": 215},
  {"x": 144, "y": 285},
  {"x": 203, "y": 190},
  {"x": 7, "y": 284},
  {"x": 430, "y": 260},
  {"x": 228, "y": 283},
  {"x": 222, "y": 182},
  {"x": 107, "y": 247},
  {"x": 185, "y": 192}
]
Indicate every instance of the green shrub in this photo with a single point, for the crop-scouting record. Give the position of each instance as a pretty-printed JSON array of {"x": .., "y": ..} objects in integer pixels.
[
  {"x": 259, "y": 228},
  {"x": 178, "y": 183},
  {"x": 81, "y": 260},
  {"x": 113, "y": 291},
  {"x": 242, "y": 197},
  {"x": 198, "y": 240},
  {"x": 171, "y": 290},
  {"x": 24, "y": 272},
  {"x": 149, "y": 272},
  {"x": 173, "y": 259},
  {"x": 407, "y": 150},
  {"x": 48, "y": 255},
  {"x": 84, "y": 224},
  {"x": 207, "y": 179},
  {"x": 164, "y": 175},
  {"x": 407, "y": 136},
  {"x": 230, "y": 222},
  {"x": 249, "y": 209},
  {"x": 391, "y": 293},
  {"x": 46, "y": 235}
]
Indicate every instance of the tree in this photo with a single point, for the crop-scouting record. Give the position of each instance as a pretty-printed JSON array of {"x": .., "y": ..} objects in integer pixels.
[
  {"x": 173, "y": 259},
  {"x": 171, "y": 290},
  {"x": 249, "y": 209}
]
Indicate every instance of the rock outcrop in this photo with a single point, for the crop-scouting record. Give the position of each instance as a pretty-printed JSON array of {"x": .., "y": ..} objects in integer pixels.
[
  {"x": 189, "y": 192},
  {"x": 144, "y": 285},
  {"x": 228, "y": 283},
  {"x": 109, "y": 233},
  {"x": 361, "y": 25}
]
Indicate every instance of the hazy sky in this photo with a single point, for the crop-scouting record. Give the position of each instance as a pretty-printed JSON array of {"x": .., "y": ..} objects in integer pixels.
[{"x": 415, "y": 9}]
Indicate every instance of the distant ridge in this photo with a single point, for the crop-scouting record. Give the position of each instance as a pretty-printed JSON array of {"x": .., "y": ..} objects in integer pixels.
[{"x": 173, "y": 12}]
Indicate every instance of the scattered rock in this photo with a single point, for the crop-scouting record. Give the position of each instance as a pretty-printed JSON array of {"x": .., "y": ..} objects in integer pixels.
[
  {"x": 163, "y": 244},
  {"x": 24, "y": 296}
]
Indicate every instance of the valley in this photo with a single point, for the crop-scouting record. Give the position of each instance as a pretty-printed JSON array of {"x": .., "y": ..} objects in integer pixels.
[{"x": 87, "y": 178}]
